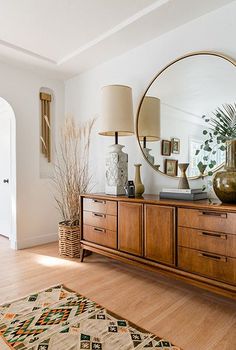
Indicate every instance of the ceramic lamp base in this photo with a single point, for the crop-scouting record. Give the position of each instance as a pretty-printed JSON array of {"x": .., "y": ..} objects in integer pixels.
[{"x": 116, "y": 171}]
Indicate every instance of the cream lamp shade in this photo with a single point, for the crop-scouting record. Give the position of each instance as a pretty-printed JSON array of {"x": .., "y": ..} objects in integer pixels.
[
  {"x": 117, "y": 111},
  {"x": 149, "y": 119}
]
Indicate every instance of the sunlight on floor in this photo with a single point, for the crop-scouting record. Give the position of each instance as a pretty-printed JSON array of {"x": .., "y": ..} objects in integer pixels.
[{"x": 51, "y": 261}]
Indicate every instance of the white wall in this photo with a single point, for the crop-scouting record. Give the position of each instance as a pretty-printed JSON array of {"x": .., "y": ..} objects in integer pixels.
[
  {"x": 37, "y": 217},
  {"x": 214, "y": 31}
]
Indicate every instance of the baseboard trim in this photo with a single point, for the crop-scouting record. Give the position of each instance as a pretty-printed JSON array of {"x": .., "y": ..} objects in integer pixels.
[{"x": 34, "y": 241}]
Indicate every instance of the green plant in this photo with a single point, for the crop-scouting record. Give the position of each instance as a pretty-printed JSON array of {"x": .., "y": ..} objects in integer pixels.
[{"x": 222, "y": 127}]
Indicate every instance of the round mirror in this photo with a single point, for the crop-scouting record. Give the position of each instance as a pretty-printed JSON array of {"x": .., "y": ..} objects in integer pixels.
[{"x": 173, "y": 121}]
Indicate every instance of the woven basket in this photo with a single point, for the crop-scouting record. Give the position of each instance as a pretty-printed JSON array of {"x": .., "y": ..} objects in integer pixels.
[{"x": 69, "y": 240}]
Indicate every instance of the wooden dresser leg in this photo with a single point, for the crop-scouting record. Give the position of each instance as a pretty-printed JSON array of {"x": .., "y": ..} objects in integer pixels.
[{"x": 82, "y": 251}]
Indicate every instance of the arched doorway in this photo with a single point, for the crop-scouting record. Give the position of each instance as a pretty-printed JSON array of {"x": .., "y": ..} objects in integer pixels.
[{"x": 7, "y": 172}]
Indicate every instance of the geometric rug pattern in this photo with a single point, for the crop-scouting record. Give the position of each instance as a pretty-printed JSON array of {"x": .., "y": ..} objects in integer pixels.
[{"x": 60, "y": 319}]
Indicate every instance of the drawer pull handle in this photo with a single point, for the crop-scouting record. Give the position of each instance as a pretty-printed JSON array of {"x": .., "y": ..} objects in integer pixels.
[
  {"x": 215, "y": 257},
  {"x": 99, "y": 215},
  {"x": 211, "y": 234},
  {"x": 99, "y": 229},
  {"x": 99, "y": 201},
  {"x": 213, "y": 213}
]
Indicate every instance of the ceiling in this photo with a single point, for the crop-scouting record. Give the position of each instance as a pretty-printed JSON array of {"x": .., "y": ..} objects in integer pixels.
[{"x": 66, "y": 37}]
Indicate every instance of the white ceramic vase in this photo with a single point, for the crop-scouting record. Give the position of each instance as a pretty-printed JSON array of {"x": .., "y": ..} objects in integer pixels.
[{"x": 116, "y": 170}]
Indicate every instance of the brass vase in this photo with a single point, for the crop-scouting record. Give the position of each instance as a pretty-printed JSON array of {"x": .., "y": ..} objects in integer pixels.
[
  {"x": 224, "y": 182},
  {"x": 183, "y": 181},
  {"x": 139, "y": 187}
]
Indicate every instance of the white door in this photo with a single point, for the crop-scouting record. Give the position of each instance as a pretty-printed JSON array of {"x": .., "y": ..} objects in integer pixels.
[{"x": 5, "y": 172}]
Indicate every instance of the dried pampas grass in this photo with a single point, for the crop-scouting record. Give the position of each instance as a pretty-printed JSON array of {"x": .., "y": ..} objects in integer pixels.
[{"x": 71, "y": 171}]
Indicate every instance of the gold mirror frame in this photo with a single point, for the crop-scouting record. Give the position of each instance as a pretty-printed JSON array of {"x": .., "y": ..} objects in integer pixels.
[{"x": 197, "y": 53}]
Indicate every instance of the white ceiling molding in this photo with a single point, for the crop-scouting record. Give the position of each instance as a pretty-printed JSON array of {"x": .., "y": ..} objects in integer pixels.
[
  {"x": 27, "y": 52},
  {"x": 115, "y": 29},
  {"x": 66, "y": 37}
]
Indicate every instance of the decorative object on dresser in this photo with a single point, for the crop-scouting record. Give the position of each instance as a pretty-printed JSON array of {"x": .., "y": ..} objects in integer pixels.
[
  {"x": 130, "y": 189},
  {"x": 149, "y": 126},
  {"x": 221, "y": 136},
  {"x": 148, "y": 232},
  {"x": 183, "y": 194},
  {"x": 183, "y": 181},
  {"x": 139, "y": 187},
  {"x": 221, "y": 127},
  {"x": 59, "y": 318},
  {"x": 188, "y": 87},
  {"x": 71, "y": 178},
  {"x": 117, "y": 120},
  {"x": 224, "y": 182}
]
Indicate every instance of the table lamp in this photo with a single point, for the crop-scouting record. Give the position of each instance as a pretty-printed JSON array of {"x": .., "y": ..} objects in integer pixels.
[
  {"x": 149, "y": 123},
  {"x": 116, "y": 120}
]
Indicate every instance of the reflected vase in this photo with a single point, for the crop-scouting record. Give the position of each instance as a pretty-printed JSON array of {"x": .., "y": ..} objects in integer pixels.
[
  {"x": 183, "y": 181},
  {"x": 224, "y": 182},
  {"x": 139, "y": 187},
  {"x": 149, "y": 157}
]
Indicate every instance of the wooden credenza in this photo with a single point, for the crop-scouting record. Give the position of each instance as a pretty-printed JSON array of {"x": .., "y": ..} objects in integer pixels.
[{"x": 192, "y": 241}]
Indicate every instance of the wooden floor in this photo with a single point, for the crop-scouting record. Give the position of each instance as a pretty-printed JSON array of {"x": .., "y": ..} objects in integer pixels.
[{"x": 189, "y": 317}]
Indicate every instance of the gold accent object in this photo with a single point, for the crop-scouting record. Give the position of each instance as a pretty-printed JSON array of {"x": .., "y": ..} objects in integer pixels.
[
  {"x": 183, "y": 181},
  {"x": 45, "y": 125},
  {"x": 139, "y": 187},
  {"x": 224, "y": 182}
]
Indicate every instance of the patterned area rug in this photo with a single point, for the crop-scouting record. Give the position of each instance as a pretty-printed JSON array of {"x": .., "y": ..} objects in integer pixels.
[{"x": 60, "y": 319}]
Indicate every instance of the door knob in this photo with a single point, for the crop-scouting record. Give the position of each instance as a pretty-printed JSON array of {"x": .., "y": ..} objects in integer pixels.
[{"x": 6, "y": 181}]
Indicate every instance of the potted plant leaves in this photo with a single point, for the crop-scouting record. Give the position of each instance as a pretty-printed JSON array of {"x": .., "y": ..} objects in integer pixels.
[{"x": 221, "y": 136}]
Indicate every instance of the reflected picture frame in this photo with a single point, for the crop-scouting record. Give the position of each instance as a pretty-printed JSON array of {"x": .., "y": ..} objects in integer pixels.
[
  {"x": 175, "y": 145},
  {"x": 171, "y": 167},
  {"x": 165, "y": 148}
]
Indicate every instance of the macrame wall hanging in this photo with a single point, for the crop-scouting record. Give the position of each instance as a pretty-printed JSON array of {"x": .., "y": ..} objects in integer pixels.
[{"x": 45, "y": 125}]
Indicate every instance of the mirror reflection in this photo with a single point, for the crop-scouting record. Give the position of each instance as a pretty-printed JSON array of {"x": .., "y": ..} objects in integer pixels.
[{"x": 173, "y": 121}]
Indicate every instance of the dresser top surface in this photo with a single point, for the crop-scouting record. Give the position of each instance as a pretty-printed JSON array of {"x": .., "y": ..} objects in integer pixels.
[{"x": 155, "y": 199}]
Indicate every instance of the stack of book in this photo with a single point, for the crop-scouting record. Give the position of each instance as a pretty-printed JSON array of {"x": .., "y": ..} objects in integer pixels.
[{"x": 183, "y": 194}]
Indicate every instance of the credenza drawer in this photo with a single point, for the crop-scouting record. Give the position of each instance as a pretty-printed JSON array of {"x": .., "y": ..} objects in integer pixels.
[
  {"x": 214, "y": 266},
  {"x": 214, "y": 242},
  {"x": 108, "y": 222},
  {"x": 210, "y": 220},
  {"x": 100, "y": 236},
  {"x": 100, "y": 206}
]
